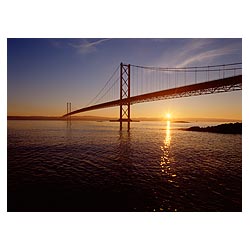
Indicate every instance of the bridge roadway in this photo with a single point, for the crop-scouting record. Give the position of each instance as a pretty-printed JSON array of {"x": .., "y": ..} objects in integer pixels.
[{"x": 209, "y": 87}]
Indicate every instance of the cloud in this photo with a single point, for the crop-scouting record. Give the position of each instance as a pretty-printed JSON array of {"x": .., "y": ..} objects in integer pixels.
[
  {"x": 56, "y": 43},
  {"x": 197, "y": 52},
  {"x": 85, "y": 47},
  {"x": 203, "y": 57}
]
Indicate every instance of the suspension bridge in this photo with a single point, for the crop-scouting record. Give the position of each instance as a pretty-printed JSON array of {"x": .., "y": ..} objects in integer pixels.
[{"x": 131, "y": 84}]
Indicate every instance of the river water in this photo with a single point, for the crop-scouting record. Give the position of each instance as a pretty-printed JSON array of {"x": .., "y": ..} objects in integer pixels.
[{"x": 92, "y": 166}]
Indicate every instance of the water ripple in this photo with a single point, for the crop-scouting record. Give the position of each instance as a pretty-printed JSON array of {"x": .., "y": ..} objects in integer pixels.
[{"x": 95, "y": 168}]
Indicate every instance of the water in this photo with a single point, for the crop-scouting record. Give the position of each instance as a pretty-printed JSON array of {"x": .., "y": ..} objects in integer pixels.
[{"x": 92, "y": 166}]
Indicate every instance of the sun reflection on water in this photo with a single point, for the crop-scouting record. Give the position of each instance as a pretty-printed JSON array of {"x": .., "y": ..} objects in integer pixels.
[
  {"x": 168, "y": 137},
  {"x": 166, "y": 165},
  {"x": 165, "y": 159}
]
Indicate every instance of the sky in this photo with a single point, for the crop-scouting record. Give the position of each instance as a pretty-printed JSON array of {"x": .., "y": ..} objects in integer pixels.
[{"x": 45, "y": 74}]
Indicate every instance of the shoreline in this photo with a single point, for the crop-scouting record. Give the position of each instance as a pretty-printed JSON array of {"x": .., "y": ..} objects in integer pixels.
[{"x": 226, "y": 128}]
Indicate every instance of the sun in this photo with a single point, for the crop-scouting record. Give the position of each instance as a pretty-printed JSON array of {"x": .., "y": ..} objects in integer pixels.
[{"x": 168, "y": 116}]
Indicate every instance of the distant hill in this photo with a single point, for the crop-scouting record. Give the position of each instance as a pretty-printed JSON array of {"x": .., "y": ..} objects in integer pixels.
[
  {"x": 56, "y": 118},
  {"x": 32, "y": 118}
]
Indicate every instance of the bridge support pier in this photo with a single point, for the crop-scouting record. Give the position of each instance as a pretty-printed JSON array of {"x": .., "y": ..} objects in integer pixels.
[{"x": 125, "y": 94}]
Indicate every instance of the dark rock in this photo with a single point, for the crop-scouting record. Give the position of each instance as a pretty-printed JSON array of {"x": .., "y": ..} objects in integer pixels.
[{"x": 228, "y": 128}]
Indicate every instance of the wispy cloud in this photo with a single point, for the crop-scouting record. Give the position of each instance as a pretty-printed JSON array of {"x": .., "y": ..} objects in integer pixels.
[
  {"x": 191, "y": 52},
  {"x": 207, "y": 56},
  {"x": 85, "y": 46},
  {"x": 82, "y": 46},
  {"x": 57, "y": 43}
]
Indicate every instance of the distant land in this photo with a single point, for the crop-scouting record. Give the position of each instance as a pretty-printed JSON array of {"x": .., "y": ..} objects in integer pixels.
[
  {"x": 56, "y": 118},
  {"x": 101, "y": 118},
  {"x": 228, "y": 128}
]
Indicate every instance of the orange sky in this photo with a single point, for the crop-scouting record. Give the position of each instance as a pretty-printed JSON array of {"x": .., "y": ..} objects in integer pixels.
[{"x": 45, "y": 74}]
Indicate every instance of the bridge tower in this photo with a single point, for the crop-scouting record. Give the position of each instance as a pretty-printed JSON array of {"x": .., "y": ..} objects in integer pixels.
[
  {"x": 69, "y": 116},
  {"x": 124, "y": 94},
  {"x": 68, "y": 110}
]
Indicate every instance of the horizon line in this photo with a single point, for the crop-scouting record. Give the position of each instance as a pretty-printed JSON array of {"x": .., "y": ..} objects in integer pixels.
[{"x": 113, "y": 117}]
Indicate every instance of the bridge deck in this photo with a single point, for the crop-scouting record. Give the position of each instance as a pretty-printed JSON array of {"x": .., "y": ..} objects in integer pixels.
[{"x": 215, "y": 86}]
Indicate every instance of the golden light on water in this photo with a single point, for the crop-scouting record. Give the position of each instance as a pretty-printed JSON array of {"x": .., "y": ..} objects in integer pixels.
[
  {"x": 168, "y": 137},
  {"x": 165, "y": 161}
]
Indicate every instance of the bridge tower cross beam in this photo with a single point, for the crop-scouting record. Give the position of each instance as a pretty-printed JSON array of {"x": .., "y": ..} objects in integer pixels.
[{"x": 124, "y": 94}]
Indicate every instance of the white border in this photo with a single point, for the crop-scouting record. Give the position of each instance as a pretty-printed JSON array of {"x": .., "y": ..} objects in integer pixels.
[{"x": 123, "y": 19}]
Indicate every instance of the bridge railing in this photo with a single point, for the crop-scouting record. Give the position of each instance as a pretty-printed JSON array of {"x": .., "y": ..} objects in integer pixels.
[
  {"x": 145, "y": 79},
  {"x": 151, "y": 79}
]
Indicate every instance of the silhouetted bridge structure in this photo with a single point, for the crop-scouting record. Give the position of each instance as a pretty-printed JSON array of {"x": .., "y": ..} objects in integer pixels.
[{"x": 157, "y": 83}]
